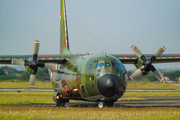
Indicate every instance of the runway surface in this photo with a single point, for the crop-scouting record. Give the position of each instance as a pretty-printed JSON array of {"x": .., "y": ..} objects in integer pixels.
[{"x": 150, "y": 101}]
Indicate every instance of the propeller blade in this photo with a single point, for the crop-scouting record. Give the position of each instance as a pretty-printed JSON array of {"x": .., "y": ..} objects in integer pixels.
[
  {"x": 135, "y": 74},
  {"x": 157, "y": 74},
  {"x": 51, "y": 66},
  {"x": 17, "y": 62},
  {"x": 36, "y": 48},
  {"x": 32, "y": 80},
  {"x": 160, "y": 51},
  {"x": 138, "y": 53}
]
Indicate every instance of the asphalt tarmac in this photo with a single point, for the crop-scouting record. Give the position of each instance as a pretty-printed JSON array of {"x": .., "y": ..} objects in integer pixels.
[{"x": 150, "y": 101}]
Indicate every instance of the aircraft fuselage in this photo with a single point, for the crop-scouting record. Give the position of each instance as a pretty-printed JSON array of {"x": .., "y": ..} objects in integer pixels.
[{"x": 91, "y": 78}]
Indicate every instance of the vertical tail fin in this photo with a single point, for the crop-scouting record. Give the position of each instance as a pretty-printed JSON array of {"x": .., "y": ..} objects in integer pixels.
[{"x": 64, "y": 43}]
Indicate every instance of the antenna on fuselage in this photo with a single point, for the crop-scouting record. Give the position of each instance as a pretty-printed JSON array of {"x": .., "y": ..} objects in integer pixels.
[{"x": 106, "y": 54}]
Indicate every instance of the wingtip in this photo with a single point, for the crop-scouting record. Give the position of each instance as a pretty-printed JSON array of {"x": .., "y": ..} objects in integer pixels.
[{"x": 11, "y": 61}]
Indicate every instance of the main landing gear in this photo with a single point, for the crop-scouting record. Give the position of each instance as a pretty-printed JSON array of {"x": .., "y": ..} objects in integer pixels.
[
  {"x": 101, "y": 104},
  {"x": 61, "y": 102}
]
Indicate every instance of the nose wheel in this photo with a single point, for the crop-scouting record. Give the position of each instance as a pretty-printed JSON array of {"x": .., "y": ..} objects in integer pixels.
[{"x": 101, "y": 104}]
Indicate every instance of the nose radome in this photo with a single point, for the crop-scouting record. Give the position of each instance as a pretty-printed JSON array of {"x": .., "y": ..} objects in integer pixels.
[{"x": 108, "y": 85}]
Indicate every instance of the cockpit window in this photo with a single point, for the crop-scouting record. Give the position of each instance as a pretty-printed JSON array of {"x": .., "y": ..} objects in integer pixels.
[
  {"x": 107, "y": 64},
  {"x": 90, "y": 66},
  {"x": 113, "y": 65},
  {"x": 120, "y": 66},
  {"x": 101, "y": 65}
]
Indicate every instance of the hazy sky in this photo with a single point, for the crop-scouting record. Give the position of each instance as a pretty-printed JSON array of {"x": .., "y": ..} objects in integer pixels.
[{"x": 116, "y": 24}]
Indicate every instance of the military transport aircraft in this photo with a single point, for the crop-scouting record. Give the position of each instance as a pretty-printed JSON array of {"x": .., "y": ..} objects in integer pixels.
[{"x": 100, "y": 78}]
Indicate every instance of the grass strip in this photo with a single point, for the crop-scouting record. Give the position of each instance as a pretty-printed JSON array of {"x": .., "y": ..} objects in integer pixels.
[
  {"x": 48, "y": 84},
  {"x": 46, "y": 97},
  {"x": 72, "y": 113}
]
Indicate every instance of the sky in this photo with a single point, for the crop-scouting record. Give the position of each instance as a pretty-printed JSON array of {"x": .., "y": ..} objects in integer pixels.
[{"x": 111, "y": 26}]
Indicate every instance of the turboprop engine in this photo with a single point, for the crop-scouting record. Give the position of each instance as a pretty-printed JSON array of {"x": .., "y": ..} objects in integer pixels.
[
  {"x": 144, "y": 64},
  {"x": 32, "y": 67}
]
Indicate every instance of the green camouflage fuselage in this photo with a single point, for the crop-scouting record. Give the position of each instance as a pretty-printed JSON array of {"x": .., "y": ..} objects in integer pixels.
[{"x": 78, "y": 78}]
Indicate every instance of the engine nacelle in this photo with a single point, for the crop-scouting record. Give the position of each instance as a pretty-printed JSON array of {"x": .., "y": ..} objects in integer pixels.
[
  {"x": 28, "y": 69},
  {"x": 138, "y": 63}
]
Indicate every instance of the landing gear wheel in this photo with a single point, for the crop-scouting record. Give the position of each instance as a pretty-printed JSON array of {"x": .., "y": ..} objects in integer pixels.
[
  {"x": 110, "y": 103},
  {"x": 101, "y": 104},
  {"x": 60, "y": 102}
]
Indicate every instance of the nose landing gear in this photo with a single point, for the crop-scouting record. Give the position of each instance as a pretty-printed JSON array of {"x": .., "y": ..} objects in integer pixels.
[{"x": 102, "y": 104}]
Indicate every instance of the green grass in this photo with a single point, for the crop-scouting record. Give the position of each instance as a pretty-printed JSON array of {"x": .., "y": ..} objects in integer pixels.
[
  {"x": 11, "y": 112},
  {"x": 76, "y": 113},
  {"x": 24, "y": 84},
  {"x": 25, "y": 97},
  {"x": 48, "y": 84},
  {"x": 46, "y": 97},
  {"x": 152, "y": 94},
  {"x": 152, "y": 85}
]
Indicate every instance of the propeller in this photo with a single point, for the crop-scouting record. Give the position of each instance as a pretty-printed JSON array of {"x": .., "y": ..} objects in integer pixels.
[
  {"x": 147, "y": 64},
  {"x": 34, "y": 64}
]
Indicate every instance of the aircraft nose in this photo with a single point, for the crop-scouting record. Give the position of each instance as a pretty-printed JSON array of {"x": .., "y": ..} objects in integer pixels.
[{"x": 108, "y": 85}]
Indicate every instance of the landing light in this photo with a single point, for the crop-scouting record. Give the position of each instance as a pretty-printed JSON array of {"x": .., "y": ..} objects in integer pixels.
[
  {"x": 57, "y": 97},
  {"x": 75, "y": 89}
]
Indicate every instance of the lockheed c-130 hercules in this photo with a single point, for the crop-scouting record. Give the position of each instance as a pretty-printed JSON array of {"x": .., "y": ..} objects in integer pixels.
[{"x": 100, "y": 78}]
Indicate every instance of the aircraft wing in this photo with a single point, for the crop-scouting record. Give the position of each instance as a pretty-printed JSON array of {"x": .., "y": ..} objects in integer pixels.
[
  {"x": 132, "y": 58},
  {"x": 61, "y": 59},
  {"x": 58, "y": 59}
]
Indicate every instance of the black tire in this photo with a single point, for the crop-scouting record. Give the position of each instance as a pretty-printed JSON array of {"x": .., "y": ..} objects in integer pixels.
[
  {"x": 110, "y": 103},
  {"x": 60, "y": 102}
]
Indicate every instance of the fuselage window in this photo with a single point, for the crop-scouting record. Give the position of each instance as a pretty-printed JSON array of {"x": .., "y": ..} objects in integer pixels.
[
  {"x": 107, "y": 64},
  {"x": 96, "y": 66},
  {"x": 100, "y": 65}
]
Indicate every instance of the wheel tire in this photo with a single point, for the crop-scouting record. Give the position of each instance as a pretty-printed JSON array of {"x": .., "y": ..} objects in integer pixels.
[
  {"x": 111, "y": 104},
  {"x": 101, "y": 104},
  {"x": 60, "y": 102}
]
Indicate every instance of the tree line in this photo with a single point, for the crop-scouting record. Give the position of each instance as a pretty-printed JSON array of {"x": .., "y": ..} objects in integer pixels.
[{"x": 41, "y": 75}]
